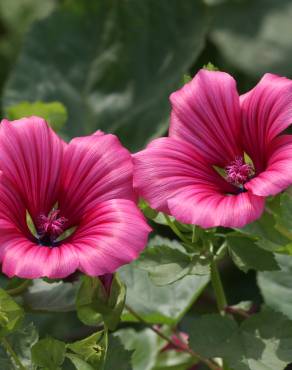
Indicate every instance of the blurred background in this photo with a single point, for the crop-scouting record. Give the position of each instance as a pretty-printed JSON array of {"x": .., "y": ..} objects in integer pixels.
[{"x": 111, "y": 65}]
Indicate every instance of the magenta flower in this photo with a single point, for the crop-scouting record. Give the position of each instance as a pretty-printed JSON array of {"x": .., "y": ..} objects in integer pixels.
[
  {"x": 211, "y": 128},
  {"x": 84, "y": 187}
]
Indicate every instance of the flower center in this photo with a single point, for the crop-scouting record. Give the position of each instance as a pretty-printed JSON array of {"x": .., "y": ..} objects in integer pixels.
[
  {"x": 50, "y": 227},
  {"x": 239, "y": 172}
]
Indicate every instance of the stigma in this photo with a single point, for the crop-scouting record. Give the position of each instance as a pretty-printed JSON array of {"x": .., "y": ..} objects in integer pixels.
[
  {"x": 50, "y": 227},
  {"x": 239, "y": 172}
]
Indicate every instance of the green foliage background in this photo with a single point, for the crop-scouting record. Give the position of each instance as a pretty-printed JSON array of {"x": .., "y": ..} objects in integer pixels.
[{"x": 112, "y": 65}]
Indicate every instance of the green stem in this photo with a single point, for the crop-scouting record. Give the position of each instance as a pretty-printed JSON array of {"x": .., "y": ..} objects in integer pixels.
[
  {"x": 11, "y": 352},
  {"x": 219, "y": 293},
  {"x": 175, "y": 229},
  {"x": 20, "y": 289},
  {"x": 218, "y": 288},
  {"x": 211, "y": 365}
]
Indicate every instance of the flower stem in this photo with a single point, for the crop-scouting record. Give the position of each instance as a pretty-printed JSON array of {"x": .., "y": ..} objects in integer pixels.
[
  {"x": 12, "y": 354},
  {"x": 218, "y": 288},
  {"x": 211, "y": 365},
  {"x": 175, "y": 229},
  {"x": 219, "y": 293}
]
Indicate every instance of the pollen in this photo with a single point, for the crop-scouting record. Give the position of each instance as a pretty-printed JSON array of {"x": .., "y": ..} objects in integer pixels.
[
  {"x": 239, "y": 172},
  {"x": 50, "y": 227}
]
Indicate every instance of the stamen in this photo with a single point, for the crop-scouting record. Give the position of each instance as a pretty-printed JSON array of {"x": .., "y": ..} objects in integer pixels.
[
  {"x": 239, "y": 172},
  {"x": 50, "y": 227}
]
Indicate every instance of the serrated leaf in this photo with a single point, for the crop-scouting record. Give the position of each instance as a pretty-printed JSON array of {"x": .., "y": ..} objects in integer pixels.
[
  {"x": 161, "y": 305},
  {"x": 266, "y": 234},
  {"x": 117, "y": 356},
  {"x": 247, "y": 255},
  {"x": 276, "y": 286},
  {"x": 11, "y": 314},
  {"x": 108, "y": 79},
  {"x": 262, "y": 342},
  {"x": 79, "y": 363},
  {"x": 144, "y": 345},
  {"x": 48, "y": 353},
  {"x": 55, "y": 113}
]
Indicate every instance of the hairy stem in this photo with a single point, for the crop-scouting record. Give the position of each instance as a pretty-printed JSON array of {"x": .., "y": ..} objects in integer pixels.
[
  {"x": 211, "y": 365},
  {"x": 11, "y": 353},
  {"x": 218, "y": 288}
]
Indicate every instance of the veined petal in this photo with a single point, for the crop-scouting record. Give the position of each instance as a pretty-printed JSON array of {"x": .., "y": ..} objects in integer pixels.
[
  {"x": 28, "y": 260},
  {"x": 96, "y": 168},
  {"x": 206, "y": 113},
  {"x": 111, "y": 235},
  {"x": 168, "y": 167},
  {"x": 31, "y": 159},
  {"x": 210, "y": 208},
  {"x": 278, "y": 173},
  {"x": 266, "y": 112}
]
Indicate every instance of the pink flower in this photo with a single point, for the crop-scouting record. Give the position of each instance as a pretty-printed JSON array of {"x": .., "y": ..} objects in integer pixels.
[
  {"x": 212, "y": 126},
  {"x": 84, "y": 187}
]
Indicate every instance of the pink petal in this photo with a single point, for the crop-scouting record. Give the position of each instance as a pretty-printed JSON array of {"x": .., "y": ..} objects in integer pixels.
[
  {"x": 168, "y": 167},
  {"x": 96, "y": 168},
  {"x": 31, "y": 158},
  {"x": 111, "y": 235},
  {"x": 266, "y": 112},
  {"x": 210, "y": 208},
  {"x": 28, "y": 260},
  {"x": 206, "y": 113},
  {"x": 278, "y": 173}
]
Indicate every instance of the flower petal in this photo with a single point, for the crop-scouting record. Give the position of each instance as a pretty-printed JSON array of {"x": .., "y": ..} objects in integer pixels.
[
  {"x": 28, "y": 260},
  {"x": 210, "y": 208},
  {"x": 31, "y": 158},
  {"x": 266, "y": 112},
  {"x": 206, "y": 113},
  {"x": 96, "y": 168},
  {"x": 278, "y": 173},
  {"x": 111, "y": 235},
  {"x": 168, "y": 167}
]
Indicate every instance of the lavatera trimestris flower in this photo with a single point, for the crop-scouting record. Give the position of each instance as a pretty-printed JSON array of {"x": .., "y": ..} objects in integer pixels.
[
  {"x": 199, "y": 174},
  {"x": 79, "y": 197}
]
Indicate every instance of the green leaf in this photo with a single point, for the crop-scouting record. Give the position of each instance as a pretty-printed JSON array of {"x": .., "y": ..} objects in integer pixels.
[
  {"x": 48, "y": 353},
  {"x": 210, "y": 334},
  {"x": 55, "y": 297},
  {"x": 144, "y": 345},
  {"x": 117, "y": 356},
  {"x": 161, "y": 305},
  {"x": 166, "y": 264},
  {"x": 247, "y": 255},
  {"x": 86, "y": 56},
  {"x": 266, "y": 234},
  {"x": 54, "y": 113},
  {"x": 79, "y": 363},
  {"x": 276, "y": 286},
  {"x": 11, "y": 314},
  {"x": 263, "y": 43},
  {"x": 22, "y": 341},
  {"x": 95, "y": 304},
  {"x": 262, "y": 342},
  {"x": 91, "y": 350}
]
